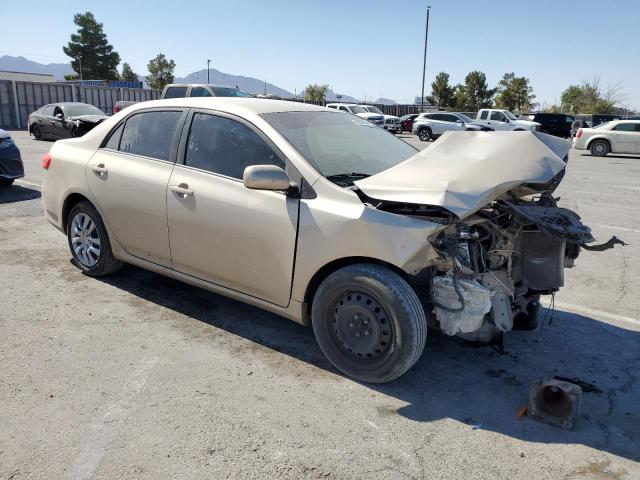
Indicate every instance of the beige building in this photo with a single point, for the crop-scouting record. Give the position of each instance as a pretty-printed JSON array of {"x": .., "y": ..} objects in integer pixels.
[{"x": 26, "y": 77}]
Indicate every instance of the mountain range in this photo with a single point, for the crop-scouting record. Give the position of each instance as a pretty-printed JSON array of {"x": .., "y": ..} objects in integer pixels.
[{"x": 248, "y": 84}]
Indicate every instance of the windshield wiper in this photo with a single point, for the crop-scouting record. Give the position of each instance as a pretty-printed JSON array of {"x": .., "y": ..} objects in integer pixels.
[{"x": 347, "y": 178}]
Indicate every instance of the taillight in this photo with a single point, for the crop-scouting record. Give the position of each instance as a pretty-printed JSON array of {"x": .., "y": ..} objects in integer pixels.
[
  {"x": 579, "y": 134},
  {"x": 46, "y": 161}
]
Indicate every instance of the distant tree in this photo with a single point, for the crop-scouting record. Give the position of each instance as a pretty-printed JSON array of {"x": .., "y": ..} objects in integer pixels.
[
  {"x": 128, "y": 75},
  {"x": 514, "y": 93},
  {"x": 315, "y": 92},
  {"x": 442, "y": 93},
  {"x": 160, "y": 71},
  {"x": 73, "y": 76},
  {"x": 90, "y": 49},
  {"x": 591, "y": 97},
  {"x": 475, "y": 93}
]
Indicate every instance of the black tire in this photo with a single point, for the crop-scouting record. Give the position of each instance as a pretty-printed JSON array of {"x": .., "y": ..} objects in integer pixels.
[
  {"x": 425, "y": 134},
  {"x": 37, "y": 133},
  {"x": 106, "y": 263},
  {"x": 364, "y": 298},
  {"x": 5, "y": 182},
  {"x": 599, "y": 148}
]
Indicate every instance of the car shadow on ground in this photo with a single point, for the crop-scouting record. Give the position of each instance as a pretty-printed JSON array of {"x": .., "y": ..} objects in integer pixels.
[
  {"x": 17, "y": 193},
  {"x": 609, "y": 155},
  {"x": 482, "y": 387}
]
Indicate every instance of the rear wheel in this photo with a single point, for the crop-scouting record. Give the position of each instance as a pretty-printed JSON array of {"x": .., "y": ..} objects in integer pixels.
[
  {"x": 425, "y": 134},
  {"x": 37, "y": 133},
  {"x": 599, "y": 148},
  {"x": 369, "y": 322},
  {"x": 89, "y": 241}
]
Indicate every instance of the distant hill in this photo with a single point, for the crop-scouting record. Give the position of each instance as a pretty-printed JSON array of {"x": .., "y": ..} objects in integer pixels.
[
  {"x": 21, "y": 64},
  {"x": 248, "y": 84}
]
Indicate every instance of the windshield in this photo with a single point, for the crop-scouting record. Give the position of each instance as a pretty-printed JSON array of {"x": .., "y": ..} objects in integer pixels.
[
  {"x": 229, "y": 92},
  {"x": 464, "y": 118},
  {"x": 509, "y": 115},
  {"x": 78, "y": 110},
  {"x": 357, "y": 109},
  {"x": 338, "y": 144},
  {"x": 374, "y": 110}
]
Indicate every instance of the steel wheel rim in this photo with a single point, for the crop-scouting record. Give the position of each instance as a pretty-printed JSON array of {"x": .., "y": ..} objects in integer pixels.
[
  {"x": 361, "y": 327},
  {"x": 85, "y": 240}
]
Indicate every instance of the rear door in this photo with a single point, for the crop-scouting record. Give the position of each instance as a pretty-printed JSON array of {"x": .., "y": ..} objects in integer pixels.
[
  {"x": 128, "y": 177},
  {"x": 220, "y": 231}
]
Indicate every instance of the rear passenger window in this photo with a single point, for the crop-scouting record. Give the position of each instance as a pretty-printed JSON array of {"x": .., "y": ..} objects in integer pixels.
[
  {"x": 200, "y": 92},
  {"x": 114, "y": 139},
  {"x": 176, "y": 92},
  {"x": 625, "y": 127},
  {"x": 224, "y": 146},
  {"x": 150, "y": 134}
]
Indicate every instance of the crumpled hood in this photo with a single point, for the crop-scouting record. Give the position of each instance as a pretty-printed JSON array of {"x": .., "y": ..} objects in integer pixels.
[
  {"x": 465, "y": 171},
  {"x": 90, "y": 118}
]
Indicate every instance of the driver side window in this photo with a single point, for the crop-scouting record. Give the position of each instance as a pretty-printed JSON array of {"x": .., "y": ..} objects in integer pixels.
[
  {"x": 498, "y": 116},
  {"x": 226, "y": 147}
]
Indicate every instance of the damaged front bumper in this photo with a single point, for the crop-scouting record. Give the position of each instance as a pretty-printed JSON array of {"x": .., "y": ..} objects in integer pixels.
[{"x": 494, "y": 266}]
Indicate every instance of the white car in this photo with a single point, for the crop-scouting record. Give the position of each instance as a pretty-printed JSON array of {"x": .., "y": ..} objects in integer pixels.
[
  {"x": 429, "y": 126},
  {"x": 504, "y": 120},
  {"x": 360, "y": 111},
  {"x": 391, "y": 122},
  {"x": 620, "y": 136}
]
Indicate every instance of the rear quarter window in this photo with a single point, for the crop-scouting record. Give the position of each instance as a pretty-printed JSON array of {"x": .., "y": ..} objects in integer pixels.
[{"x": 176, "y": 92}]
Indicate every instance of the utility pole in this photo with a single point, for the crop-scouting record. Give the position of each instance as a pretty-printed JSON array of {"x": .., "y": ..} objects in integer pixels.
[
  {"x": 208, "y": 62},
  {"x": 80, "y": 60},
  {"x": 265, "y": 86},
  {"x": 424, "y": 63}
]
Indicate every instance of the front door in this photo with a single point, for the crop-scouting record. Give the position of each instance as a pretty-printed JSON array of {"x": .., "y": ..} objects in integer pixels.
[
  {"x": 128, "y": 177},
  {"x": 498, "y": 121},
  {"x": 625, "y": 138},
  {"x": 219, "y": 230}
]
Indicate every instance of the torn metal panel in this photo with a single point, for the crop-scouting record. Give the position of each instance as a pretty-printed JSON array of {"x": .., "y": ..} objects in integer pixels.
[{"x": 465, "y": 171}]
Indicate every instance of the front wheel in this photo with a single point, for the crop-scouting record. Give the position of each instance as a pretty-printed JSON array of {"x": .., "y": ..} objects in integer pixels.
[
  {"x": 89, "y": 241},
  {"x": 37, "y": 133},
  {"x": 599, "y": 148},
  {"x": 369, "y": 322},
  {"x": 424, "y": 134}
]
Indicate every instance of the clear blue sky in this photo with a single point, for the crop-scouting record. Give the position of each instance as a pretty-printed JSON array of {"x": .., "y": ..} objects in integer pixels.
[{"x": 358, "y": 47}]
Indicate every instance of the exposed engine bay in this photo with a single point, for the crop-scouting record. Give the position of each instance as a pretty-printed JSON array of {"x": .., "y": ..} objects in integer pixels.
[
  {"x": 504, "y": 241},
  {"x": 81, "y": 125},
  {"x": 494, "y": 266}
]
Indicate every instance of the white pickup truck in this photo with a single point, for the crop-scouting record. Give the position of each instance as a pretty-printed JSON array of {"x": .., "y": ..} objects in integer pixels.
[{"x": 503, "y": 120}]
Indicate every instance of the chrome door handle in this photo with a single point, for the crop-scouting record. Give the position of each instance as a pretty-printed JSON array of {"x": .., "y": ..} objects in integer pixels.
[
  {"x": 182, "y": 190},
  {"x": 99, "y": 169}
]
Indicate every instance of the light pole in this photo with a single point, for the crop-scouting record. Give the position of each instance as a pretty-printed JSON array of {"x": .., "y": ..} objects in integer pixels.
[
  {"x": 208, "y": 62},
  {"x": 424, "y": 63}
]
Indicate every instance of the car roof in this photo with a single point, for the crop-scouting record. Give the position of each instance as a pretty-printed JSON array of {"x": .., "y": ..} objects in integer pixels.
[{"x": 239, "y": 105}]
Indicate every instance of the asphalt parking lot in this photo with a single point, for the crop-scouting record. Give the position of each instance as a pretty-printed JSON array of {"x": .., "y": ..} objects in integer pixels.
[{"x": 139, "y": 376}]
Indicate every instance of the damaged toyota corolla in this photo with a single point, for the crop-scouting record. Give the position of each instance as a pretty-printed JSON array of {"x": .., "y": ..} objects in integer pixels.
[{"x": 323, "y": 218}]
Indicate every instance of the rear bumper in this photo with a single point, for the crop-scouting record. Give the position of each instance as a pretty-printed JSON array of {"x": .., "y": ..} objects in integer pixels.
[{"x": 11, "y": 163}]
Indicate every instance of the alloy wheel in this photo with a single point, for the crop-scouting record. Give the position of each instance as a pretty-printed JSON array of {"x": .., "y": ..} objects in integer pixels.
[{"x": 85, "y": 240}]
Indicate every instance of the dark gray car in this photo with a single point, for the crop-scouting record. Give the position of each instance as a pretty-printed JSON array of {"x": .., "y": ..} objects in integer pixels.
[{"x": 64, "y": 120}]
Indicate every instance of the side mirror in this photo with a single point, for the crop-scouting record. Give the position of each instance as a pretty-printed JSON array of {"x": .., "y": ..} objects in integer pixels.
[
  {"x": 266, "y": 177},
  {"x": 506, "y": 120},
  {"x": 60, "y": 116}
]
